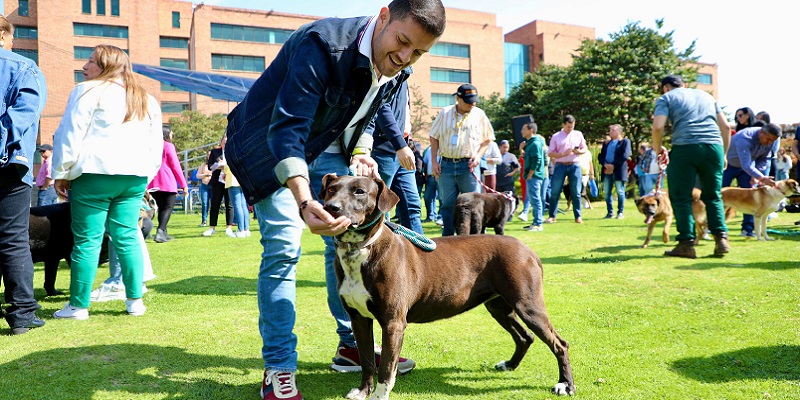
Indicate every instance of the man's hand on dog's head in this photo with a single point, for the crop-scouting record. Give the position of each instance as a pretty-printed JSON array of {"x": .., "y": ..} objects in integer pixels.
[
  {"x": 321, "y": 222},
  {"x": 364, "y": 165}
]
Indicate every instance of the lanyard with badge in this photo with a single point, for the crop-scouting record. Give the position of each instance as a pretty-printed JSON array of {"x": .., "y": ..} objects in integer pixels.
[{"x": 459, "y": 125}]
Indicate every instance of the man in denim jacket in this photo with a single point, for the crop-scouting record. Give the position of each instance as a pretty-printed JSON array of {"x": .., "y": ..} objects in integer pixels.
[
  {"x": 327, "y": 81},
  {"x": 24, "y": 95}
]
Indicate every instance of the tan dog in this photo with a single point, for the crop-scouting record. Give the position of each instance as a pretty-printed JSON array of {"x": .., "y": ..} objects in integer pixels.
[
  {"x": 384, "y": 277},
  {"x": 759, "y": 202},
  {"x": 657, "y": 207}
]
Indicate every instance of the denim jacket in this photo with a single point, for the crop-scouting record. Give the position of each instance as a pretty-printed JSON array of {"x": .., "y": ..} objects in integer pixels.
[
  {"x": 24, "y": 94},
  {"x": 388, "y": 126},
  {"x": 301, "y": 104}
]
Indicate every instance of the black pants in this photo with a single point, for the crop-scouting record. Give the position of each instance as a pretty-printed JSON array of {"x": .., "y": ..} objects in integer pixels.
[
  {"x": 218, "y": 192},
  {"x": 16, "y": 265},
  {"x": 165, "y": 202}
]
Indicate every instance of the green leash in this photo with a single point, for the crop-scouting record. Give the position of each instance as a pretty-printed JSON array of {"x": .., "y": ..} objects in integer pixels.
[
  {"x": 418, "y": 240},
  {"x": 784, "y": 232}
]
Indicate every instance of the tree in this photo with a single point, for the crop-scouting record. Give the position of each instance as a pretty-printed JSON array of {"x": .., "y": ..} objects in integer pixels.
[
  {"x": 420, "y": 118},
  {"x": 195, "y": 131}
]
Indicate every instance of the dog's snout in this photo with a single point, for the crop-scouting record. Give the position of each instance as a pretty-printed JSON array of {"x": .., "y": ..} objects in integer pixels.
[{"x": 333, "y": 208}]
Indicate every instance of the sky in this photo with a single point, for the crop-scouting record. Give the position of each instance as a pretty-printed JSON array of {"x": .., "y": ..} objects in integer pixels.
[{"x": 754, "y": 43}]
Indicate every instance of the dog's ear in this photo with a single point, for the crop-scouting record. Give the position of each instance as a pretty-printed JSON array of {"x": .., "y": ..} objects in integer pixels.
[
  {"x": 637, "y": 201},
  {"x": 386, "y": 198},
  {"x": 325, "y": 181}
]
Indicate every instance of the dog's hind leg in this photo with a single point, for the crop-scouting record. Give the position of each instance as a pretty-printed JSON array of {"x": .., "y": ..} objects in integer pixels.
[
  {"x": 50, "y": 274},
  {"x": 504, "y": 315}
]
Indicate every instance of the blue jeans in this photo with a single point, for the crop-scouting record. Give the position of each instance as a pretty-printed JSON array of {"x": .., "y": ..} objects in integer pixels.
[
  {"x": 608, "y": 182},
  {"x": 456, "y": 178},
  {"x": 743, "y": 179},
  {"x": 47, "y": 196},
  {"x": 535, "y": 194},
  {"x": 241, "y": 213},
  {"x": 647, "y": 182},
  {"x": 431, "y": 195},
  {"x": 404, "y": 184},
  {"x": 16, "y": 265},
  {"x": 328, "y": 163},
  {"x": 205, "y": 195},
  {"x": 560, "y": 173},
  {"x": 281, "y": 230}
]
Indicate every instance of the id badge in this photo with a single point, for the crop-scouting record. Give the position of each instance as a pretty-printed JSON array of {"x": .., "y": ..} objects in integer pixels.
[{"x": 454, "y": 140}]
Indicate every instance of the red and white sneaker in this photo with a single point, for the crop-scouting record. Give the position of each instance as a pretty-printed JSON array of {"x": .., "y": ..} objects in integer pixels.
[
  {"x": 347, "y": 360},
  {"x": 279, "y": 385}
]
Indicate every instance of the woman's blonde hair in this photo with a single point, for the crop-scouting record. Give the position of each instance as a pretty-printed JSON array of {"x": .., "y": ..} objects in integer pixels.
[
  {"x": 6, "y": 26},
  {"x": 116, "y": 65}
]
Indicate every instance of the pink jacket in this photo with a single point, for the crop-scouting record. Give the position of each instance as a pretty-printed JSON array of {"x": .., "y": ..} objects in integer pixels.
[{"x": 170, "y": 173}]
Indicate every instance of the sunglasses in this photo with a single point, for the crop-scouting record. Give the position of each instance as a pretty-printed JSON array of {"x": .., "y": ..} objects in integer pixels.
[{"x": 740, "y": 115}]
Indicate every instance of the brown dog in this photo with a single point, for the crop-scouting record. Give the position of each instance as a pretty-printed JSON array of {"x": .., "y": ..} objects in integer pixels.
[
  {"x": 474, "y": 212},
  {"x": 759, "y": 202},
  {"x": 657, "y": 207},
  {"x": 384, "y": 277}
]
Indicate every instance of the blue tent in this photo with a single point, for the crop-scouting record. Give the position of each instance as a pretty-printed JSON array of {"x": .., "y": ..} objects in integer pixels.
[{"x": 217, "y": 86}]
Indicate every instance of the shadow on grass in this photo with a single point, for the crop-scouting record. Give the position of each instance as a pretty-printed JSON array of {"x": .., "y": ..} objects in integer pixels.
[
  {"x": 763, "y": 363},
  {"x": 163, "y": 372},
  {"x": 770, "y": 266},
  {"x": 219, "y": 286}
]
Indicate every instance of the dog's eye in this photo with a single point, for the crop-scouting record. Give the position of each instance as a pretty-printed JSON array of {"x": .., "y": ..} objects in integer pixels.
[{"x": 359, "y": 191}]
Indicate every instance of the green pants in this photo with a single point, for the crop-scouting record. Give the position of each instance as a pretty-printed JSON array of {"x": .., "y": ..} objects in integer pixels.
[
  {"x": 97, "y": 201},
  {"x": 688, "y": 164}
]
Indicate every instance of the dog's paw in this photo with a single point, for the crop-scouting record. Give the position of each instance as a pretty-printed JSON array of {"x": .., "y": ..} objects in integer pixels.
[
  {"x": 644, "y": 246},
  {"x": 503, "y": 366},
  {"x": 563, "y": 389},
  {"x": 769, "y": 239},
  {"x": 356, "y": 394}
]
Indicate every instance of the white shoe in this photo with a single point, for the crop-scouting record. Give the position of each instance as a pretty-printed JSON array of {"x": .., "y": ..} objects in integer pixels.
[
  {"x": 135, "y": 307},
  {"x": 771, "y": 216},
  {"x": 247, "y": 233},
  {"x": 229, "y": 232},
  {"x": 108, "y": 293},
  {"x": 209, "y": 232},
  {"x": 240, "y": 234},
  {"x": 144, "y": 289},
  {"x": 523, "y": 217},
  {"x": 70, "y": 312}
]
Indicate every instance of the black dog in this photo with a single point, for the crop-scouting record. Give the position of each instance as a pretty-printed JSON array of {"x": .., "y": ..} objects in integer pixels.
[
  {"x": 51, "y": 240},
  {"x": 474, "y": 212}
]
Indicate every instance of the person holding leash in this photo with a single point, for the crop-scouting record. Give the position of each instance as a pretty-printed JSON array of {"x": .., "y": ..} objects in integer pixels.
[
  {"x": 700, "y": 138},
  {"x": 328, "y": 80}
]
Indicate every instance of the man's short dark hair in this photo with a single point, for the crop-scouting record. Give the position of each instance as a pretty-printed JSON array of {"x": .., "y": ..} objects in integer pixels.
[
  {"x": 568, "y": 118},
  {"x": 533, "y": 127},
  {"x": 772, "y": 129},
  {"x": 673, "y": 80},
  {"x": 428, "y": 13}
]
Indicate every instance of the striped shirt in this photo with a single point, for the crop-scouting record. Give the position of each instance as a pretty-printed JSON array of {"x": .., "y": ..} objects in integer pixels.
[{"x": 460, "y": 136}]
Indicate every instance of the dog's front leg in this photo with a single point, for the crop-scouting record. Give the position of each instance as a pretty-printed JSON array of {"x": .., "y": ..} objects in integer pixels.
[
  {"x": 392, "y": 342},
  {"x": 362, "y": 330}
]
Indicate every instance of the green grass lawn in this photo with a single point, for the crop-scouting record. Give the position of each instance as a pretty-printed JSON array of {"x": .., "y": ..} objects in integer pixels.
[{"x": 640, "y": 326}]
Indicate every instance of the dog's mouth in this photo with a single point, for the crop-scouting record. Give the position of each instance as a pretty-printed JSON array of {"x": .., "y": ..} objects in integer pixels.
[{"x": 648, "y": 218}]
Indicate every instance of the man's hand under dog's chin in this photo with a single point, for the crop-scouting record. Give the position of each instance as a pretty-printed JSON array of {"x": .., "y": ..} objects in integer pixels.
[{"x": 320, "y": 222}]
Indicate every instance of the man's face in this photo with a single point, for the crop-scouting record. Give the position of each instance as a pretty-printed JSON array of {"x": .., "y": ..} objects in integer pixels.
[
  {"x": 526, "y": 132},
  {"x": 46, "y": 153},
  {"x": 613, "y": 132},
  {"x": 567, "y": 127},
  {"x": 504, "y": 148},
  {"x": 765, "y": 138},
  {"x": 463, "y": 107},
  {"x": 398, "y": 44}
]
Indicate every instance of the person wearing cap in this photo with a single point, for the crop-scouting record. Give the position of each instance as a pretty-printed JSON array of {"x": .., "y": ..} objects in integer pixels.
[
  {"x": 460, "y": 134},
  {"x": 700, "y": 138},
  {"x": 44, "y": 180}
]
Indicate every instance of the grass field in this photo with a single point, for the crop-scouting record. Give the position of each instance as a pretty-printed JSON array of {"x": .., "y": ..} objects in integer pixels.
[{"x": 640, "y": 326}]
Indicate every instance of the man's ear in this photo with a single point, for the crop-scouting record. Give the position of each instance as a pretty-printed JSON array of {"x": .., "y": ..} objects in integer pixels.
[
  {"x": 387, "y": 199},
  {"x": 327, "y": 179}
]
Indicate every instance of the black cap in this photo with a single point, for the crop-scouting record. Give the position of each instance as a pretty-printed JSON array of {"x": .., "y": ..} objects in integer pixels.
[
  {"x": 468, "y": 93},
  {"x": 45, "y": 147},
  {"x": 672, "y": 80}
]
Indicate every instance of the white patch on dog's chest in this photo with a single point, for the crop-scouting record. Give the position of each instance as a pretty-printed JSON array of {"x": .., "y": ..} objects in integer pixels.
[{"x": 352, "y": 290}]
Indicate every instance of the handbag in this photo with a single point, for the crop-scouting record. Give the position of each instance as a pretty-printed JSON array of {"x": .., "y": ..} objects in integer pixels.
[{"x": 592, "y": 188}]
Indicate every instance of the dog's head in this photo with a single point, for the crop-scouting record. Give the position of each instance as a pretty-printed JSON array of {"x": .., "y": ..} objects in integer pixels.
[
  {"x": 648, "y": 205},
  {"x": 788, "y": 187},
  {"x": 361, "y": 199},
  {"x": 512, "y": 199}
]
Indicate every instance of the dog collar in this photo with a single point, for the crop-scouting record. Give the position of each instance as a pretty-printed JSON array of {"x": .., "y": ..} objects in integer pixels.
[{"x": 358, "y": 245}]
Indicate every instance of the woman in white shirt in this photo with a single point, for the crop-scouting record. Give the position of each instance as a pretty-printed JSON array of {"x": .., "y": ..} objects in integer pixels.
[
  {"x": 106, "y": 149},
  {"x": 783, "y": 164}
]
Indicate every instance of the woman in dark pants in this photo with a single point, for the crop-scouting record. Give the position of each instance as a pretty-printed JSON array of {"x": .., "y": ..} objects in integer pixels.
[
  {"x": 215, "y": 163},
  {"x": 164, "y": 187}
]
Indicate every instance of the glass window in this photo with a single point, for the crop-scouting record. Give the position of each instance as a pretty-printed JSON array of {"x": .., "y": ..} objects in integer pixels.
[
  {"x": 249, "y": 33},
  {"x": 449, "y": 75},
  {"x": 108, "y": 31},
  {"x": 226, "y": 62},
  {"x": 79, "y": 76},
  {"x": 32, "y": 54},
  {"x": 86, "y": 6},
  {"x": 176, "y": 19},
  {"x": 166, "y": 87},
  {"x": 26, "y": 32},
  {"x": 174, "y": 42},
  {"x": 101, "y": 7},
  {"x": 517, "y": 63},
  {"x": 83, "y": 53},
  {"x": 442, "y": 99},
  {"x": 704, "y": 79},
  {"x": 450, "y": 50},
  {"x": 115, "y": 8},
  {"x": 175, "y": 63},
  {"x": 174, "y": 107},
  {"x": 23, "y": 8}
]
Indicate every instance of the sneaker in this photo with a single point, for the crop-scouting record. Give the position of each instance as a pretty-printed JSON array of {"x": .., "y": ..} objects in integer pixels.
[
  {"x": 537, "y": 228},
  {"x": 70, "y": 312},
  {"x": 241, "y": 234},
  {"x": 620, "y": 216},
  {"x": 36, "y": 322},
  {"x": 209, "y": 232},
  {"x": 426, "y": 220},
  {"x": 550, "y": 221},
  {"x": 135, "y": 307},
  {"x": 609, "y": 216},
  {"x": 279, "y": 385},
  {"x": 202, "y": 225},
  {"x": 229, "y": 232},
  {"x": 527, "y": 227},
  {"x": 108, "y": 293},
  {"x": 523, "y": 217},
  {"x": 347, "y": 360},
  {"x": 439, "y": 222},
  {"x": 747, "y": 235},
  {"x": 579, "y": 220}
]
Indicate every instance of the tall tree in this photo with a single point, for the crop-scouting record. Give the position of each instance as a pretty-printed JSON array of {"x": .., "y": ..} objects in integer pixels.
[{"x": 197, "y": 132}]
